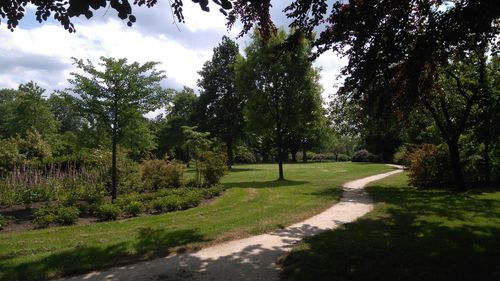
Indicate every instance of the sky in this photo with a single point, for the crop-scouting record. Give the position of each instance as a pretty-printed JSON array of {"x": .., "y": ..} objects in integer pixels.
[{"x": 43, "y": 52}]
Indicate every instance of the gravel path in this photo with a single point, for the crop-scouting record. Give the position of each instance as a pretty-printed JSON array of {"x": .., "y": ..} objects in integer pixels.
[{"x": 252, "y": 258}]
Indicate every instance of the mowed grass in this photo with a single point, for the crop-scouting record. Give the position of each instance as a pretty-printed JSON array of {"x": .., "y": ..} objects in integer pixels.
[
  {"x": 411, "y": 235},
  {"x": 253, "y": 203}
]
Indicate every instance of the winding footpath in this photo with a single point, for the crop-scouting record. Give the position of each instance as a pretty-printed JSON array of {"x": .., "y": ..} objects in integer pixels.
[{"x": 252, "y": 258}]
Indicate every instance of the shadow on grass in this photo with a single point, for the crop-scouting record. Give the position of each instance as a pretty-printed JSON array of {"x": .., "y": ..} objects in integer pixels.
[
  {"x": 422, "y": 235},
  {"x": 150, "y": 243},
  {"x": 237, "y": 170},
  {"x": 264, "y": 184}
]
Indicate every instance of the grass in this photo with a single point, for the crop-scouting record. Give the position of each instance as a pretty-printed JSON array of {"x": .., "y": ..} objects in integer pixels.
[
  {"x": 254, "y": 203},
  {"x": 411, "y": 235}
]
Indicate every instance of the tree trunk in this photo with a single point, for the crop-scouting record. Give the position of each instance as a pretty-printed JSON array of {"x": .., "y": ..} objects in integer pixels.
[
  {"x": 456, "y": 166},
  {"x": 229, "y": 151},
  {"x": 280, "y": 166},
  {"x": 113, "y": 151},
  {"x": 294, "y": 155},
  {"x": 113, "y": 167},
  {"x": 304, "y": 152},
  {"x": 487, "y": 162},
  {"x": 279, "y": 144}
]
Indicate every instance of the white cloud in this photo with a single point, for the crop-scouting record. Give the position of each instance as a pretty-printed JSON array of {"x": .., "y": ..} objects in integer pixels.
[{"x": 42, "y": 52}]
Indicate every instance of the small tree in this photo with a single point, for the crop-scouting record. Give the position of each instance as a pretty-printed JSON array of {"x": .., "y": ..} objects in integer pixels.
[
  {"x": 196, "y": 143},
  {"x": 116, "y": 96}
]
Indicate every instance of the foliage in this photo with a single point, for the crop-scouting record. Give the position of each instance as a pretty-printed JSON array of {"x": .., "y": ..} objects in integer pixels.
[
  {"x": 61, "y": 215},
  {"x": 108, "y": 212},
  {"x": 9, "y": 154},
  {"x": 282, "y": 87},
  {"x": 244, "y": 155},
  {"x": 134, "y": 208},
  {"x": 116, "y": 97},
  {"x": 3, "y": 222},
  {"x": 167, "y": 204},
  {"x": 364, "y": 155},
  {"x": 180, "y": 112},
  {"x": 66, "y": 215},
  {"x": 240, "y": 208},
  {"x": 213, "y": 166},
  {"x": 429, "y": 166},
  {"x": 43, "y": 217},
  {"x": 218, "y": 95},
  {"x": 28, "y": 110},
  {"x": 162, "y": 173},
  {"x": 401, "y": 156}
]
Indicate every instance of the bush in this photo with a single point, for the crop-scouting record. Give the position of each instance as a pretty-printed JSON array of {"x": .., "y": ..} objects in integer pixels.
[
  {"x": 244, "y": 155},
  {"x": 167, "y": 204},
  {"x": 158, "y": 174},
  {"x": 44, "y": 217},
  {"x": 61, "y": 215},
  {"x": 108, "y": 212},
  {"x": 364, "y": 156},
  {"x": 212, "y": 191},
  {"x": 29, "y": 195},
  {"x": 343, "y": 158},
  {"x": 134, "y": 208},
  {"x": 3, "y": 222},
  {"x": 213, "y": 166},
  {"x": 401, "y": 156},
  {"x": 66, "y": 215},
  {"x": 429, "y": 166}
]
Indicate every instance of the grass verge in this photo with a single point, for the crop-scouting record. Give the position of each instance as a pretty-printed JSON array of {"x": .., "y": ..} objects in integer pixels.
[
  {"x": 254, "y": 203},
  {"x": 411, "y": 235}
]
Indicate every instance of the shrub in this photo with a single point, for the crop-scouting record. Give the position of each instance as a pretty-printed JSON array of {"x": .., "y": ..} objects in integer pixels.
[
  {"x": 364, "y": 156},
  {"x": 134, "y": 208},
  {"x": 244, "y": 155},
  {"x": 167, "y": 204},
  {"x": 212, "y": 191},
  {"x": 343, "y": 157},
  {"x": 213, "y": 166},
  {"x": 190, "y": 199},
  {"x": 66, "y": 215},
  {"x": 3, "y": 222},
  {"x": 429, "y": 166},
  {"x": 43, "y": 217},
  {"x": 108, "y": 212},
  {"x": 158, "y": 174},
  {"x": 401, "y": 156},
  {"x": 62, "y": 215}
]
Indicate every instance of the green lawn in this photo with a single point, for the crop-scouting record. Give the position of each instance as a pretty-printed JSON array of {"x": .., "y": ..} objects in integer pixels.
[
  {"x": 411, "y": 235},
  {"x": 254, "y": 203}
]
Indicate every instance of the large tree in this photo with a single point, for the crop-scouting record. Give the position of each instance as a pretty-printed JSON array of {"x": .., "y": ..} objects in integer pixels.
[
  {"x": 116, "y": 94},
  {"x": 220, "y": 106},
  {"x": 282, "y": 89},
  {"x": 396, "y": 49}
]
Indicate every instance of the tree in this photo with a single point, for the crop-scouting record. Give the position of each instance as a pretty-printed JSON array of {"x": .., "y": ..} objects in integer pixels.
[
  {"x": 220, "y": 106},
  {"x": 197, "y": 142},
  {"x": 180, "y": 112},
  {"x": 116, "y": 96},
  {"x": 396, "y": 48},
  {"x": 282, "y": 89},
  {"x": 27, "y": 109}
]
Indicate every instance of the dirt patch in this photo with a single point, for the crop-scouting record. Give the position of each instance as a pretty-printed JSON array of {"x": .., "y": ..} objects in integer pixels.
[{"x": 251, "y": 194}]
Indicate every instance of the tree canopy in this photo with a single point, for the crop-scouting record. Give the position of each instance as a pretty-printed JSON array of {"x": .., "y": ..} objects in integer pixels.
[
  {"x": 282, "y": 88},
  {"x": 220, "y": 106},
  {"x": 115, "y": 96}
]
